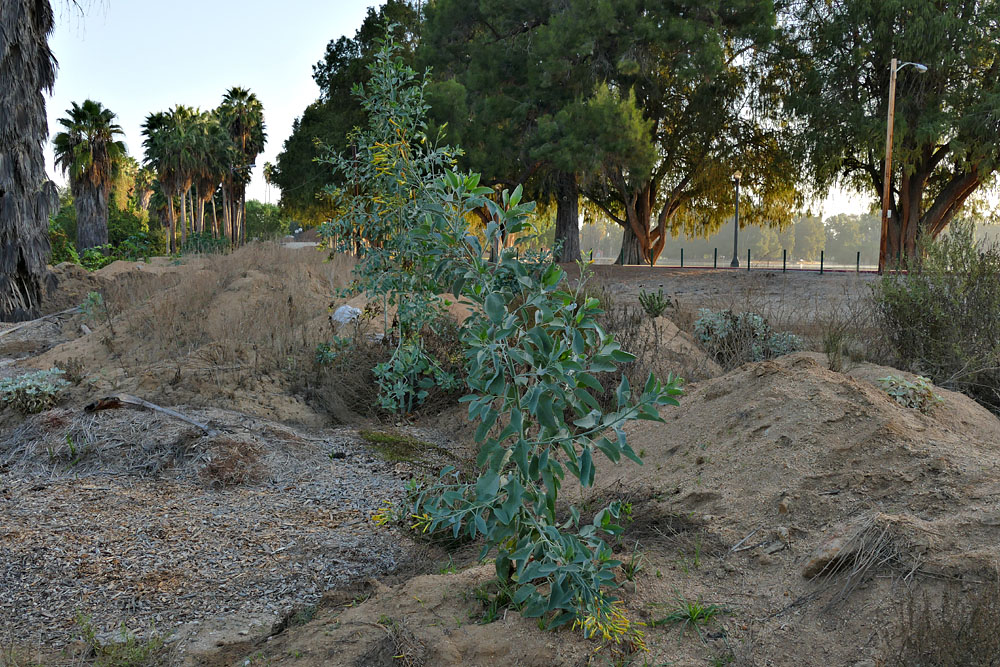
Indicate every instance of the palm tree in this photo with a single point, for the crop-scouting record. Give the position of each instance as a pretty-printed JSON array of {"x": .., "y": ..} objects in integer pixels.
[
  {"x": 171, "y": 151},
  {"x": 27, "y": 197},
  {"x": 88, "y": 151},
  {"x": 213, "y": 155},
  {"x": 242, "y": 114}
]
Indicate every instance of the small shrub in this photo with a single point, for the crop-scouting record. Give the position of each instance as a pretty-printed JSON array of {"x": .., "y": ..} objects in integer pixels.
[
  {"x": 964, "y": 630},
  {"x": 734, "y": 339},
  {"x": 918, "y": 394},
  {"x": 940, "y": 316},
  {"x": 33, "y": 392},
  {"x": 654, "y": 304},
  {"x": 97, "y": 257}
]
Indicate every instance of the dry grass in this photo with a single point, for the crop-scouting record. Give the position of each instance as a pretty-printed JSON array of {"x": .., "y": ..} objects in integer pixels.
[
  {"x": 962, "y": 629},
  {"x": 231, "y": 462}
]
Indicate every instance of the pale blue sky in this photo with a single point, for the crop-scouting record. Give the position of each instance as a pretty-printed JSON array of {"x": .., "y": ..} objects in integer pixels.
[{"x": 140, "y": 56}]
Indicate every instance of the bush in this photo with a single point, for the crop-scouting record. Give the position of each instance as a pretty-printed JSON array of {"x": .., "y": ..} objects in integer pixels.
[
  {"x": 940, "y": 317},
  {"x": 63, "y": 248},
  {"x": 917, "y": 394},
  {"x": 265, "y": 221},
  {"x": 734, "y": 339},
  {"x": 33, "y": 392}
]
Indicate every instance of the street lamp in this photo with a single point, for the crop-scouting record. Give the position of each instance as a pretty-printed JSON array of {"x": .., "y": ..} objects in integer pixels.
[
  {"x": 736, "y": 226},
  {"x": 886, "y": 181}
]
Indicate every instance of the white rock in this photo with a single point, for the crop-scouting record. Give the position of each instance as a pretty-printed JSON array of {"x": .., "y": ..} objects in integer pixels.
[{"x": 345, "y": 314}]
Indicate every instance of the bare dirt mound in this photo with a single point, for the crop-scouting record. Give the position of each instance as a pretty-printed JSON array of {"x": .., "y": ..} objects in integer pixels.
[
  {"x": 806, "y": 504},
  {"x": 229, "y": 331}
]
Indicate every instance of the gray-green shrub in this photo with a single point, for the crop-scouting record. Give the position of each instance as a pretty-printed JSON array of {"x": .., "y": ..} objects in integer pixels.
[
  {"x": 738, "y": 338},
  {"x": 33, "y": 392},
  {"x": 941, "y": 317}
]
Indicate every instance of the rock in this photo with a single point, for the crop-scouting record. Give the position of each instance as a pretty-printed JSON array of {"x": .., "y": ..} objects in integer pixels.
[
  {"x": 839, "y": 544},
  {"x": 784, "y": 506},
  {"x": 345, "y": 314}
]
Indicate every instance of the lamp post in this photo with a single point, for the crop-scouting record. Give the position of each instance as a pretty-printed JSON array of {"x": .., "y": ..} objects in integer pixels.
[
  {"x": 887, "y": 176},
  {"x": 736, "y": 225}
]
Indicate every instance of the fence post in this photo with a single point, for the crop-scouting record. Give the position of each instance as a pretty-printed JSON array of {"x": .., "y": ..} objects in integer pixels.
[
  {"x": 857, "y": 267},
  {"x": 821, "y": 262},
  {"x": 748, "y": 260},
  {"x": 784, "y": 259},
  {"x": 715, "y": 261},
  {"x": 682, "y": 258}
]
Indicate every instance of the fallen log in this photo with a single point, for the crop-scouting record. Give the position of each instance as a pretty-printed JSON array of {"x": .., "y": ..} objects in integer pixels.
[
  {"x": 129, "y": 401},
  {"x": 39, "y": 319}
]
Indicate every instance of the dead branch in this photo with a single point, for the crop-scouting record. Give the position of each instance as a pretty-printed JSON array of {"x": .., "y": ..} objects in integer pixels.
[{"x": 129, "y": 401}]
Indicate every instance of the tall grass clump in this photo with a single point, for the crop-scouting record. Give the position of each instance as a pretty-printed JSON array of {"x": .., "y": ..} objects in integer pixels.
[{"x": 941, "y": 317}]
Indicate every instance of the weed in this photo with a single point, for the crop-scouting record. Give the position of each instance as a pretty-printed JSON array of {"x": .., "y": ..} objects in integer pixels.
[
  {"x": 496, "y": 597},
  {"x": 33, "y": 392},
  {"x": 691, "y": 614},
  {"x": 655, "y": 304},
  {"x": 125, "y": 649},
  {"x": 734, "y": 339},
  {"x": 635, "y": 564}
]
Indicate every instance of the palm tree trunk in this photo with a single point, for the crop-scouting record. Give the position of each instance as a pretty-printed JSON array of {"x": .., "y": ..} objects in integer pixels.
[
  {"x": 91, "y": 206},
  {"x": 27, "y": 197},
  {"x": 184, "y": 218},
  {"x": 171, "y": 231},
  {"x": 215, "y": 220}
]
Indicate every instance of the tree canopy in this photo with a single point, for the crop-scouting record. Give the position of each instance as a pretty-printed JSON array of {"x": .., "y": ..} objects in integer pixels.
[{"x": 947, "y": 120}]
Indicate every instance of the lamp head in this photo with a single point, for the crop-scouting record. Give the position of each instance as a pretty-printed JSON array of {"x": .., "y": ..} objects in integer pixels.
[
  {"x": 737, "y": 175},
  {"x": 920, "y": 68}
]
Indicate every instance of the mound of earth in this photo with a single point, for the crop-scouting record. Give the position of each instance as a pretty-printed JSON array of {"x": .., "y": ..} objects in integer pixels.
[{"x": 806, "y": 504}]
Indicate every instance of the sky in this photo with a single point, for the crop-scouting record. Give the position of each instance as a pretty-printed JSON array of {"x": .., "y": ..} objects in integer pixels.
[{"x": 139, "y": 56}]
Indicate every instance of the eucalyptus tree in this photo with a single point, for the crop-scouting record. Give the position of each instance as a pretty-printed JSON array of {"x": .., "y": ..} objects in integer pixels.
[
  {"x": 27, "y": 197},
  {"x": 87, "y": 150},
  {"x": 242, "y": 116},
  {"x": 945, "y": 146}
]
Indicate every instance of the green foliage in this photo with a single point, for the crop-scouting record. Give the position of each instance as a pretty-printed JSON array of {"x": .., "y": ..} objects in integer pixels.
[
  {"x": 532, "y": 350},
  {"x": 940, "y": 316},
  {"x": 388, "y": 170},
  {"x": 204, "y": 243},
  {"x": 33, "y": 392},
  {"x": 93, "y": 307},
  {"x": 918, "y": 394},
  {"x": 325, "y": 124},
  {"x": 654, "y": 304},
  {"x": 691, "y": 614},
  {"x": 838, "y": 58},
  {"x": 737, "y": 338},
  {"x": 265, "y": 221},
  {"x": 123, "y": 650},
  {"x": 97, "y": 257},
  {"x": 63, "y": 248}
]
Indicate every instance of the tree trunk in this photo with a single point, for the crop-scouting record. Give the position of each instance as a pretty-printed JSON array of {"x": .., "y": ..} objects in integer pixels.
[
  {"x": 184, "y": 218},
  {"x": 215, "y": 220},
  {"x": 568, "y": 218},
  {"x": 27, "y": 197},
  {"x": 91, "y": 216},
  {"x": 631, "y": 251},
  {"x": 171, "y": 226}
]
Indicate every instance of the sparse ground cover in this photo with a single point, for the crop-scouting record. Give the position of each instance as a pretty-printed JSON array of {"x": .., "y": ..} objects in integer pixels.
[{"x": 136, "y": 518}]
